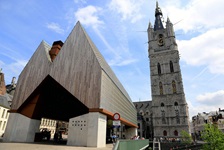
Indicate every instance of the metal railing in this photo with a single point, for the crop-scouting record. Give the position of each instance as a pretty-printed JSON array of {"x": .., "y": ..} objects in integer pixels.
[{"x": 131, "y": 144}]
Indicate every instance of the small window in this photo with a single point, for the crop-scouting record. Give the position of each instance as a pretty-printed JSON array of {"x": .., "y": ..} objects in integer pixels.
[
  {"x": 7, "y": 114},
  {"x": 3, "y": 127},
  {"x": 159, "y": 68},
  {"x": 176, "y": 107},
  {"x": 141, "y": 112},
  {"x": 175, "y": 104},
  {"x": 164, "y": 133},
  {"x": 175, "y": 133},
  {"x": 162, "y": 106},
  {"x": 3, "y": 114},
  {"x": 171, "y": 66}
]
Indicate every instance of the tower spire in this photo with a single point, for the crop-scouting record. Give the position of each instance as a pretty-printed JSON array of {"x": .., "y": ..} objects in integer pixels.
[{"x": 159, "y": 15}]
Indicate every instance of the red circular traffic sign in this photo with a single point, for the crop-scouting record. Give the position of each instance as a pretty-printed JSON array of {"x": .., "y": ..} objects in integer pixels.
[{"x": 116, "y": 116}]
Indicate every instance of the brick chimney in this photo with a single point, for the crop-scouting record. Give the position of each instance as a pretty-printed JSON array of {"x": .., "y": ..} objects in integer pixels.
[
  {"x": 2, "y": 83},
  {"x": 55, "y": 49}
]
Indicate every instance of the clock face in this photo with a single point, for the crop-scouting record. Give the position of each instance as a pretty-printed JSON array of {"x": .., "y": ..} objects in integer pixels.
[{"x": 160, "y": 40}]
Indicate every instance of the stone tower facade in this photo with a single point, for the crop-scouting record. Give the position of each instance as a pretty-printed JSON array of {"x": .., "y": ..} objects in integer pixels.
[{"x": 169, "y": 107}]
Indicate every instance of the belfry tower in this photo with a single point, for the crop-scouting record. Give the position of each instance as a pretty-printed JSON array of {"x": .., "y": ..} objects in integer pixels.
[{"x": 169, "y": 107}]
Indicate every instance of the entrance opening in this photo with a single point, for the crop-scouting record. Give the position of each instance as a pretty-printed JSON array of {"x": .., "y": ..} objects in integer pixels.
[
  {"x": 52, "y": 131},
  {"x": 51, "y": 100}
]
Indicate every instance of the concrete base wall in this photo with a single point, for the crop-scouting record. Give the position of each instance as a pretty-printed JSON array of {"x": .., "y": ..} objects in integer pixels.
[
  {"x": 88, "y": 130},
  {"x": 131, "y": 132},
  {"x": 20, "y": 128}
]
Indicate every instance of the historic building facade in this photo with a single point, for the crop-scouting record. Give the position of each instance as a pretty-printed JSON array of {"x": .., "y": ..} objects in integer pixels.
[
  {"x": 169, "y": 107},
  {"x": 6, "y": 95},
  {"x": 144, "y": 118}
]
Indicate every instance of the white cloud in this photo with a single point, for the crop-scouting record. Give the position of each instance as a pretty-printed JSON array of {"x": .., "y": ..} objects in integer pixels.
[
  {"x": 205, "y": 49},
  {"x": 128, "y": 9},
  {"x": 196, "y": 15},
  {"x": 55, "y": 27},
  {"x": 122, "y": 63},
  {"x": 215, "y": 98},
  {"x": 80, "y": 1},
  {"x": 195, "y": 109},
  {"x": 89, "y": 16},
  {"x": 207, "y": 102}
]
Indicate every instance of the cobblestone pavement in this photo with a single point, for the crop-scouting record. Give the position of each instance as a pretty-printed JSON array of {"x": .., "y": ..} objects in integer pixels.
[{"x": 34, "y": 146}]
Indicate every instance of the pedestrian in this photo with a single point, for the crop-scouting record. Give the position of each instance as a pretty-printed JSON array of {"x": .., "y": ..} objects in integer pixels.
[{"x": 114, "y": 138}]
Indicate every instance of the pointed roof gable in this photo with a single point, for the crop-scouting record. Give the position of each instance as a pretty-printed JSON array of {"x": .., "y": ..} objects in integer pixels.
[
  {"x": 158, "y": 25},
  {"x": 77, "y": 68},
  {"x": 104, "y": 65},
  {"x": 33, "y": 74}
]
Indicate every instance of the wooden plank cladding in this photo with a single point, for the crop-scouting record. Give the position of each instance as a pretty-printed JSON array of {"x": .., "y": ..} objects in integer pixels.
[{"x": 81, "y": 70}]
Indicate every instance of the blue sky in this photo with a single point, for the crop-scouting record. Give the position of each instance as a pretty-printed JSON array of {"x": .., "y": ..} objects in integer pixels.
[{"x": 118, "y": 29}]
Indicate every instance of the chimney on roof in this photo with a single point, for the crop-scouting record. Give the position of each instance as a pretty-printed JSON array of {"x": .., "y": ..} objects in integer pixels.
[
  {"x": 13, "y": 83},
  {"x": 55, "y": 49},
  {"x": 2, "y": 84}
]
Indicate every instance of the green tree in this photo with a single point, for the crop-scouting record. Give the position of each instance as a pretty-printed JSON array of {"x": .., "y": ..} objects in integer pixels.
[
  {"x": 186, "y": 137},
  {"x": 213, "y": 137}
]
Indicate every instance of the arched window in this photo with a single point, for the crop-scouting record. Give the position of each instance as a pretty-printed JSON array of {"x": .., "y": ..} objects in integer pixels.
[
  {"x": 159, "y": 68},
  {"x": 175, "y": 133},
  {"x": 141, "y": 112},
  {"x": 176, "y": 107},
  {"x": 175, "y": 104},
  {"x": 174, "y": 86},
  {"x": 164, "y": 133},
  {"x": 161, "y": 88},
  {"x": 171, "y": 66},
  {"x": 162, "y": 106},
  {"x": 147, "y": 113}
]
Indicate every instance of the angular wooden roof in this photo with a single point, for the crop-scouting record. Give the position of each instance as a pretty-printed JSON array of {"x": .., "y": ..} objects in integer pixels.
[{"x": 77, "y": 68}]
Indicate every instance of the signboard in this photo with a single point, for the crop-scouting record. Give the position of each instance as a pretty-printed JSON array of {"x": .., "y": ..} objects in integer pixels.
[
  {"x": 116, "y": 116},
  {"x": 116, "y": 123}
]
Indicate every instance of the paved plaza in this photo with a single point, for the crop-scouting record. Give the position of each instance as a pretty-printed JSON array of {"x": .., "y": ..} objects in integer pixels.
[{"x": 34, "y": 146}]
